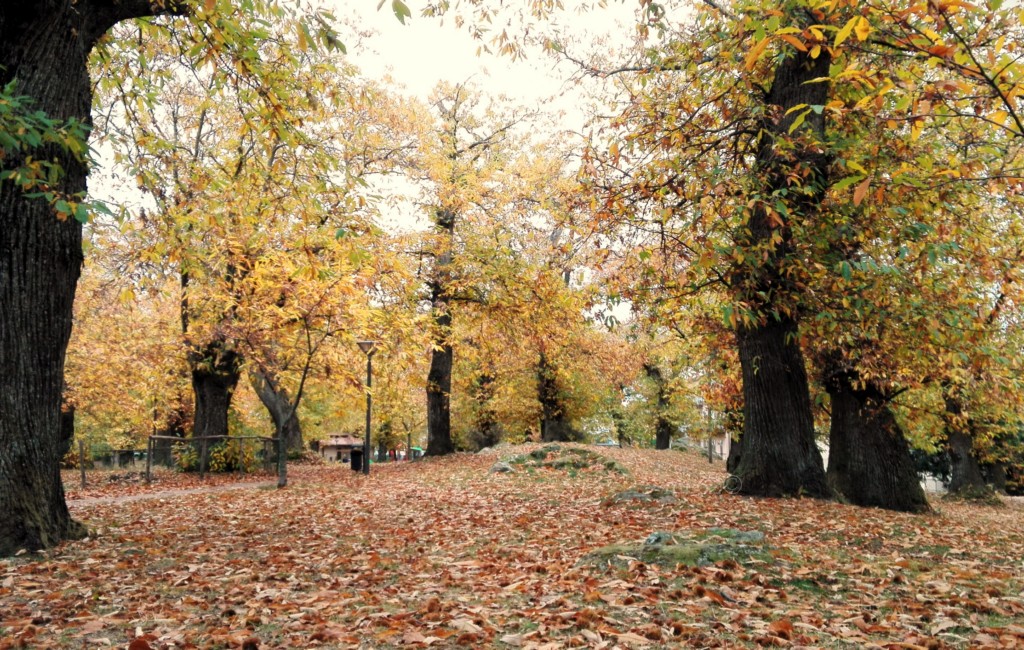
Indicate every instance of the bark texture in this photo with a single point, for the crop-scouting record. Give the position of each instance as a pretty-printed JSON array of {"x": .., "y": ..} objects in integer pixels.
[
  {"x": 45, "y": 46},
  {"x": 869, "y": 460},
  {"x": 215, "y": 374},
  {"x": 442, "y": 356},
  {"x": 279, "y": 404},
  {"x": 663, "y": 427},
  {"x": 554, "y": 425},
  {"x": 779, "y": 453},
  {"x": 779, "y": 456},
  {"x": 966, "y": 477}
]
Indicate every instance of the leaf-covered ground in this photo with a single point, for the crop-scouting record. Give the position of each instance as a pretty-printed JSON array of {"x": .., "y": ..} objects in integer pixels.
[{"x": 445, "y": 553}]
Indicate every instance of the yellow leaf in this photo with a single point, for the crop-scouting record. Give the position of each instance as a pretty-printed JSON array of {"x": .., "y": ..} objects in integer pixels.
[
  {"x": 755, "y": 53},
  {"x": 861, "y": 191},
  {"x": 916, "y": 127},
  {"x": 845, "y": 32},
  {"x": 815, "y": 51},
  {"x": 863, "y": 28}
]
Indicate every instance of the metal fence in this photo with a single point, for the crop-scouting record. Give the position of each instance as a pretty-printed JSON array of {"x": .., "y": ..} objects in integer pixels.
[{"x": 204, "y": 454}]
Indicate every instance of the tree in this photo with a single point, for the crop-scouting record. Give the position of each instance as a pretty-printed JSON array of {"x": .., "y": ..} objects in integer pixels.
[
  {"x": 747, "y": 171},
  {"x": 45, "y": 47},
  {"x": 465, "y": 152},
  {"x": 40, "y": 261}
]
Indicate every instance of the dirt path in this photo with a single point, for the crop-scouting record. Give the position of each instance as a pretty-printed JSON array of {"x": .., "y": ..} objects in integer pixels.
[{"x": 92, "y": 501}]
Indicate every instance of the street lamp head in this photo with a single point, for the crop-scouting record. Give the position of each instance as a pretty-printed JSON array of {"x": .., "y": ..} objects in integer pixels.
[{"x": 367, "y": 347}]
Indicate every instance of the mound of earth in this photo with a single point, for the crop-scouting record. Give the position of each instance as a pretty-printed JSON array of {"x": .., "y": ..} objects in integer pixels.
[{"x": 560, "y": 457}]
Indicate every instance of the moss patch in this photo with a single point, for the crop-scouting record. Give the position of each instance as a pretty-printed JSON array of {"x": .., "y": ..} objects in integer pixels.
[
  {"x": 567, "y": 459},
  {"x": 640, "y": 495},
  {"x": 689, "y": 548}
]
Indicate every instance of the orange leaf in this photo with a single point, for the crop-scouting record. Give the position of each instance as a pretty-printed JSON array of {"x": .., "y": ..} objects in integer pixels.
[
  {"x": 794, "y": 41},
  {"x": 781, "y": 628},
  {"x": 861, "y": 191}
]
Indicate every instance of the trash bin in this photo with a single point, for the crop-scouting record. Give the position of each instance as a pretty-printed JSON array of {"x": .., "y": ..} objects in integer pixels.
[{"x": 357, "y": 460}]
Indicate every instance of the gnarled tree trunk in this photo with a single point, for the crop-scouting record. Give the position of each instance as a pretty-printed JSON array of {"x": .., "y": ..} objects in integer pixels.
[
  {"x": 215, "y": 374},
  {"x": 279, "y": 404},
  {"x": 45, "y": 46},
  {"x": 869, "y": 459},
  {"x": 779, "y": 455}
]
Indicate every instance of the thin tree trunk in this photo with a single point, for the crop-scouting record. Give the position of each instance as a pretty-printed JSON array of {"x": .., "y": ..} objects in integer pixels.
[
  {"x": 869, "y": 460},
  {"x": 779, "y": 452},
  {"x": 442, "y": 356},
  {"x": 279, "y": 404},
  {"x": 735, "y": 454}
]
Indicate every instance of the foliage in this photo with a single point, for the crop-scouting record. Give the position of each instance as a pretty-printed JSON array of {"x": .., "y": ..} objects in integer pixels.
[
  {"x": 186, "y": 456},
  {"x": 25, "y": 130},
  {"x": 231, "y": 455}
]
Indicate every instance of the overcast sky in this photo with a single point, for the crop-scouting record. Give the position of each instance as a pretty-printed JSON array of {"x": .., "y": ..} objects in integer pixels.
[{"x": 424, "y": 51}]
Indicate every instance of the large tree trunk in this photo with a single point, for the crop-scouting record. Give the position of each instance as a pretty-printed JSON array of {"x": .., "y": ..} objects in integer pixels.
[
  {"x": 966, "y": 477},
  {"x": 279, "y": 404},
  {"x": 45, "y": 46},
  {"x": 779, "y": 453},
  {"x": 439, "y": 377},
  {"x": 215, "y": 374},
  {"x": 663, "y": 428},
  {"x": 869, "y": 460},
  {"x": 554, "y": 425}
]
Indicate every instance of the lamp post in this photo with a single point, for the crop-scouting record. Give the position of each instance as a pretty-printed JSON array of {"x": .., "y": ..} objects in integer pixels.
[{"x": 368, "y": 348}]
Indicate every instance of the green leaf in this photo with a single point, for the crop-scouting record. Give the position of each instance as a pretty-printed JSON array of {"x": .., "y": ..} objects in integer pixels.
[
  {"x": 82, "y": 213},
  {"x": 62, "y": 207},
  {"x": 401, "y": 10},
  {"x": 844, "y": 183}
]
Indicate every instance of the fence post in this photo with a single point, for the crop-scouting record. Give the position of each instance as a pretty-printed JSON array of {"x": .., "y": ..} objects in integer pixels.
[
  {"x": 149, "y": 460},
  {"x": 202, "y": 458},
  {"x": 81, "y": 460}
]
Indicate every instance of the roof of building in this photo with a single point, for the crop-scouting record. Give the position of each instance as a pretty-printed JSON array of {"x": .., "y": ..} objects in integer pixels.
[{"x": 341, "y": 441}]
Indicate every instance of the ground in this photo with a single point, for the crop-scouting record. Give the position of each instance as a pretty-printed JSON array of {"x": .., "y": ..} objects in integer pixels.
[{"x": 445, "y": 553}]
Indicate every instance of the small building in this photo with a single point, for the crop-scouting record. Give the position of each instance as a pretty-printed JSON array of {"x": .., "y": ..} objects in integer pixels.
[{"x": 339, "y": 448}]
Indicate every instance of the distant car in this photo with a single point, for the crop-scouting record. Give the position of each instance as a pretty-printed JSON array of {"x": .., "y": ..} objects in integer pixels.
[{"x": 607, "y": 443}]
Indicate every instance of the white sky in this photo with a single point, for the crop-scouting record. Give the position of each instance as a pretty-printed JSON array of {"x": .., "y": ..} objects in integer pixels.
[{"x": 424, "y": 51}]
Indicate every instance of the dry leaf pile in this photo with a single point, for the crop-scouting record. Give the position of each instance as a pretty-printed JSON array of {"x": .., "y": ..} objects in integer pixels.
[{"x": 444, "y": 553}]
